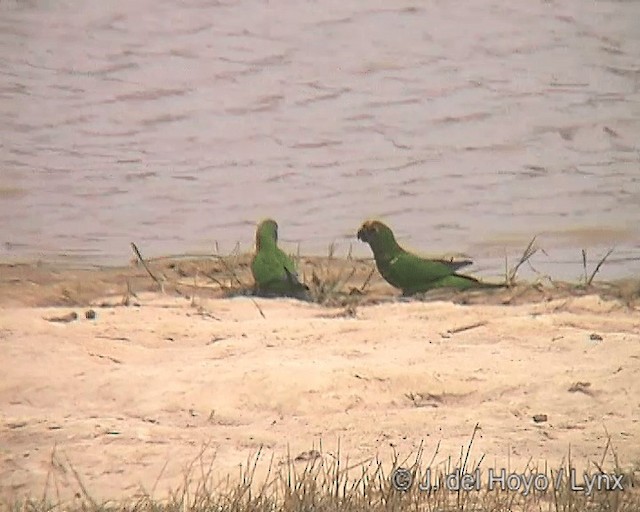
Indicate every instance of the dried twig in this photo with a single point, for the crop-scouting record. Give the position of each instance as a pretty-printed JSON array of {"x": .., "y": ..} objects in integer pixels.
[
  {"x": 229, "y": 269},
  {"x": 213, "y": 278},
  {"x": 528, "y": 252},
  {"x": 181, "y": 256},
  {"x": 240, "y": 283},
  {"x": 506, "y": 267},
  {"x": 456, "y": 330},
  {"x": 600, "y": 263},
  {"x": 146, "y": 267},
  {"x": 235, "y": 276},
  {"x": 331, "y": 250},
  {"x": 195, "y": 289},
  {"x": 366, "y": 281},
  {"x": 126, "y": 298},
  {"x": 349, "y": 276},
  {"x": 80, "y": 483},
  {"x": 69, "y": 317}
]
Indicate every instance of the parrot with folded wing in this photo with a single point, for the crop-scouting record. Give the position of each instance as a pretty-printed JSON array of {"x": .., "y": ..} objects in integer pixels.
[
  {"x": 412, "y": 273},
  {"x": 273, "y": 271}
]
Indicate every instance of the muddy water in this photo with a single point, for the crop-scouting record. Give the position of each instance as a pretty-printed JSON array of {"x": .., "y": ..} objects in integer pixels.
[{"x": 468, "y": 127}]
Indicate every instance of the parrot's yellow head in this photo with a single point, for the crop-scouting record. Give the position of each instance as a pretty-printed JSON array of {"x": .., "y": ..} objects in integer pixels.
[{"x": 372, "y": 231}]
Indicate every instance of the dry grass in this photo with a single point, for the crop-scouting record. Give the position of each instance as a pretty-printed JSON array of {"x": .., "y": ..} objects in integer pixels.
[
  {"x": 510, "y": 275},
  {"x": 349, "y": 282},
  {"x": 334, "y": 281},
  {"x": 588, "y": 279},
  {"x": 320, "y": 481},
  {"x": 329, "y": 279}
]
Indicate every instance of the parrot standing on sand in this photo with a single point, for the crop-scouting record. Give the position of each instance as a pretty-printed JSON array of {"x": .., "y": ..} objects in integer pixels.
[
  {"x": 411, "y": 273},
  {"x": 273, "y": 271}
]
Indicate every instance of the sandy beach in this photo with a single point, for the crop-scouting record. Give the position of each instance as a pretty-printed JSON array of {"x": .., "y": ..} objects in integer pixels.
[{"x": 128, "y": 399}]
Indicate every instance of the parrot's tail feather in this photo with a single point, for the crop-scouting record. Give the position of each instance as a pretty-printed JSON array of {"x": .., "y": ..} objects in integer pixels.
[
  {"x": 453, "y": 282},
  {"x": 476, "y": 283},
  {"x": 292, "y": 279}
]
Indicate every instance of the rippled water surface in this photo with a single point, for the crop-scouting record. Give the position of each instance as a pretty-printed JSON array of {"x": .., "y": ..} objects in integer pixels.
[{"x": 467, "y": 126}]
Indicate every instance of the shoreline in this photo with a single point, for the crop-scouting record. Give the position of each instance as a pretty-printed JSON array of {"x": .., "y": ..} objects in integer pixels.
[
  {"x": 344, "y": 280},
  {"x": 563, "y": 262}
]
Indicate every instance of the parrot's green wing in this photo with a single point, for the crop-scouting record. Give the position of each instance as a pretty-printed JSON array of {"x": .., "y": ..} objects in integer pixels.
[
  {"x": 409, "y": 272},
  {"x": 413, "y": 274},
  {"x": 461, "y": 282},
  {"x": 273, "y": 271}
]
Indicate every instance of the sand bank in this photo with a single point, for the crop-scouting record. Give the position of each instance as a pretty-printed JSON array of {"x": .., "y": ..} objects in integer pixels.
[{"x": 130, "y": 397}]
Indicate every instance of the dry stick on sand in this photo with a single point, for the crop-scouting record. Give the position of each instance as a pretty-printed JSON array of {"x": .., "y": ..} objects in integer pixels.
[
  {"x": 600, "y": 263},
  {"x": 538, "y": 273},
  {"x": 349, "y": 276},
  {"x": 229, "y": 269},
  {"x": 609, "y": 447},
  {"x": 366, "y": 281},
  {"x": 181, "y": 256},
  {"x": 80, "y": 483},
  {"x": 146, "y": 267},
  {"x": 51, "y": 476},
  {"x": 126, "y": 298},
  {"x": 235, "y": 276},
  {"x": 338, "y": 278},
  {"x": 475, "y": 325},
  {"x": 528, "y": 252},
  {"x": 466, "y": 457},
  {"x": 217, "y": 281},
  {"x": 195, "y": 289},
  {"x": 331, "y": 250}
]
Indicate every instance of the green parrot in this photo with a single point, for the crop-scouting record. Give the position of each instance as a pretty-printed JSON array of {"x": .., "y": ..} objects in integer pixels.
[
  {"x": 273, "y": 271},
  {"x": 411, "y": 273}
]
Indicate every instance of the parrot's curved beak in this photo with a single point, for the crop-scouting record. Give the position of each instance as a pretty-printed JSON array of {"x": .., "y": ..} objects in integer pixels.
[{"x": 363, "y": 234}]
